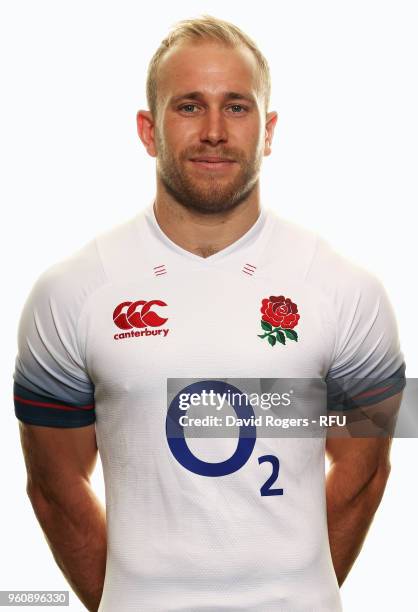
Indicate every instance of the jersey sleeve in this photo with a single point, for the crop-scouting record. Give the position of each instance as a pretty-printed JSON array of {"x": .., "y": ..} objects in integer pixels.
[
  {"x": 367, "y": 364},
  {"x": 51, "y": 384}
]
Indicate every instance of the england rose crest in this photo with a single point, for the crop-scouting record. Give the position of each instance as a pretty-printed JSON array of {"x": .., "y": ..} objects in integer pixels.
[{"x": 279, "y": 317}]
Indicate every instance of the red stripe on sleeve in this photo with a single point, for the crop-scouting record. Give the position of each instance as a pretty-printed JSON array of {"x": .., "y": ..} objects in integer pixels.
[
  {"x": 373, "y": 392},
  {"x": 51, "y": 405}
]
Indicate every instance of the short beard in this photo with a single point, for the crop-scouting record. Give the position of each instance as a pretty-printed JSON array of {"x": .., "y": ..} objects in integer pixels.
[{"x": 215, "y": 198}]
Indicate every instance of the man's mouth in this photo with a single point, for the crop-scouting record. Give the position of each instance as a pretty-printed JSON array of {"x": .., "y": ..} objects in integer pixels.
[{"x": 211, "y": 162}]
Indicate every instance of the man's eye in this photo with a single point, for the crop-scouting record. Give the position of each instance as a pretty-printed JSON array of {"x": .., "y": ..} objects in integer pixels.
[
  {"x": 236, "y": 108},
  {"x": 188, "y": 108}
]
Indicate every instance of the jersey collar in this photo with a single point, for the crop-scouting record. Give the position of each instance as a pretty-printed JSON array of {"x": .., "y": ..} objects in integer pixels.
[{"x": 159, "y": 243}]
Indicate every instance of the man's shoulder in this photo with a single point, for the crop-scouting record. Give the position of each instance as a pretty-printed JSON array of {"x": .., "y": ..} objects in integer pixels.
[
  {"x": 345, "y": 282},
  {"x": 87, "y": 268},
  {"x": 337, "y": 270},
  {"x": 312, "y": 259},
  {"x": 65, "y": 284},
  {"x": 70, "y": 281}
]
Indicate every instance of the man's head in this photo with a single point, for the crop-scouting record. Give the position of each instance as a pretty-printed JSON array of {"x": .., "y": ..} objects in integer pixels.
[{"x": 208, "y": 90}]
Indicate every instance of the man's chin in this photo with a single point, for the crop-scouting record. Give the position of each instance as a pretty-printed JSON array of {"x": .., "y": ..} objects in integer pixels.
[
  {"x": 211, "y": 203},
  {"x": 207, "y": 196},
  {"x": 210, "y": 193}
]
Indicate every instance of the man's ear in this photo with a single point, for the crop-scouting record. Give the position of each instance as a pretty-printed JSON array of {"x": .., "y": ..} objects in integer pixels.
[
  {"x": 271, "y": 121},
  {"x": 145, "y": 128}
]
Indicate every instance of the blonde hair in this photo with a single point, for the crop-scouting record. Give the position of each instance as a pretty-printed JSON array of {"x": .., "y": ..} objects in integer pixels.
[{"x": 200, "y": 29}]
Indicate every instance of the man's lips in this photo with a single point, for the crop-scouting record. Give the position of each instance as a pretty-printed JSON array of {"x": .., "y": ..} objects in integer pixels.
[{"x": 212, "y": 163}]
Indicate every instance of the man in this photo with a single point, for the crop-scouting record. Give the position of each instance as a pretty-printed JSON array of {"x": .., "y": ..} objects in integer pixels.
[{"x": 204, "y": 283}]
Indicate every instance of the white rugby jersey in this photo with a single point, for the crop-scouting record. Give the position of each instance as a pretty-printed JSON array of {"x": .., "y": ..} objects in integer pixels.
[{"x": 100, "y": 334}]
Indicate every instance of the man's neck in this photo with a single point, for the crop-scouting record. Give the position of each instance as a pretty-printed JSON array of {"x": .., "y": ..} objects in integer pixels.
[{"x": 201, "y": 233}]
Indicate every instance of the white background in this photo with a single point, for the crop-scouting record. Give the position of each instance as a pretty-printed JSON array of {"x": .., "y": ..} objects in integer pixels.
[{"x": 344, "y": 163}]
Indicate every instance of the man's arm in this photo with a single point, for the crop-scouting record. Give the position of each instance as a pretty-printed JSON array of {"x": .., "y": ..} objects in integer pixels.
[
  {"x": 359, "y": 470},
  {"x": 59, "y": 463}
]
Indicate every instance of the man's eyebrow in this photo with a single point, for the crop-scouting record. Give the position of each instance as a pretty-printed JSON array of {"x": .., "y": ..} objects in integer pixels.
[
  {"x": 198, "y": 95},
  {"x": 235, "y": 95}
]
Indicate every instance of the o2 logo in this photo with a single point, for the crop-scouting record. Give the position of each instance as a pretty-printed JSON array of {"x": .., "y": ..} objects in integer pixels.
[{"x": 246, "y": 439}]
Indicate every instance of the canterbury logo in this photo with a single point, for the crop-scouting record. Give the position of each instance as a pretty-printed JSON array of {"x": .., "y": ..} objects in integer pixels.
[{"x": 138, "y": 314}]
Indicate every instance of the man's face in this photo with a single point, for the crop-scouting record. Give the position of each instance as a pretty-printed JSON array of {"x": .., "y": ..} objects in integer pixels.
[{"x": 210, "y": 127}]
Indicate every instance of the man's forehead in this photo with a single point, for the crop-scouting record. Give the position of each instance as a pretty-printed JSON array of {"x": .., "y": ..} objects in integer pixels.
[
  {"x": 207, "y": 66},
  {"x": 225, "y": 95}
]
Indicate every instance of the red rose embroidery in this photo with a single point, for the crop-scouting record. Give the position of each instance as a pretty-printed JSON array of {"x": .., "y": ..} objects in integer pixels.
[
  {"x": 279, "y": 317},
  {"x": 280, "y": 312}
]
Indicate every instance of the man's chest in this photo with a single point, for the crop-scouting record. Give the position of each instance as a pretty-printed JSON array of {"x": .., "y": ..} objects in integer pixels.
[{"x": 137, "y": 334}]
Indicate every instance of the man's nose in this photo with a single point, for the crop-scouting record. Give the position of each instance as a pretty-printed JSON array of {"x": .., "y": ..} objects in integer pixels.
[{"x": 214, "y": 127}]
